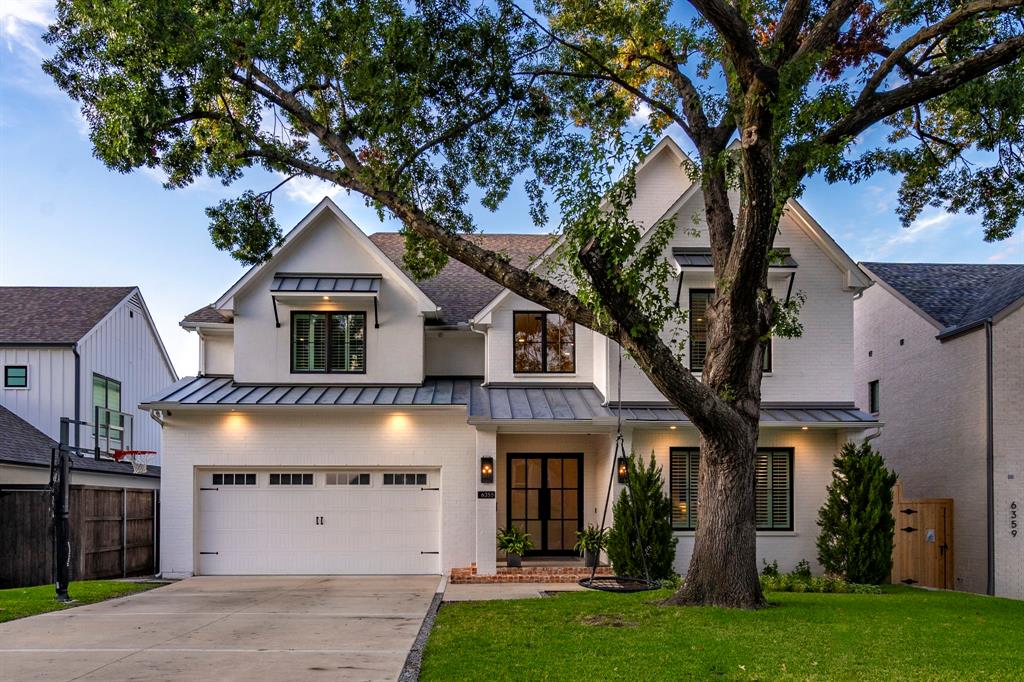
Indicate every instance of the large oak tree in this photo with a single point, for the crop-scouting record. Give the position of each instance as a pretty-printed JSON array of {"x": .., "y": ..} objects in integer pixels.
[{"x": 419, "y": 105}]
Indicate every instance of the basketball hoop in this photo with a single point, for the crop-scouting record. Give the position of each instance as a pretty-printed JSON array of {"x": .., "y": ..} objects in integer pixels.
[{"x": 140, "y": 459}]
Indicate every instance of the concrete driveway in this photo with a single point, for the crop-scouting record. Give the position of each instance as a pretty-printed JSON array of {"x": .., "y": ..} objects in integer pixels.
[{"x": 228, "y": 628}]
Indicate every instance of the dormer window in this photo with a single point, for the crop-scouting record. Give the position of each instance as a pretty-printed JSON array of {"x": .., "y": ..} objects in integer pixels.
[
  {"x": 332, "y": 343},
  {"x": 543, "y": 343}
]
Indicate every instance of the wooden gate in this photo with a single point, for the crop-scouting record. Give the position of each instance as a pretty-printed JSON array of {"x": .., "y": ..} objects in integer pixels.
[{"x": 923, "y": 546}]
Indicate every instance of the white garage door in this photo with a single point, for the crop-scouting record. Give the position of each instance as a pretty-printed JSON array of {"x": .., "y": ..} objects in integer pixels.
[{"x": 319, "y": 522}]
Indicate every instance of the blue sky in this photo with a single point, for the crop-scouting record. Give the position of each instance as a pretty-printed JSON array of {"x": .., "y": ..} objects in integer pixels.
[{"x": 67, "y": 220}]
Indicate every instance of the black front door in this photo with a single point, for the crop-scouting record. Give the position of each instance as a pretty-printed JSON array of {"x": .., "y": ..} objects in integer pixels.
[{"x": 545, "y": 498}]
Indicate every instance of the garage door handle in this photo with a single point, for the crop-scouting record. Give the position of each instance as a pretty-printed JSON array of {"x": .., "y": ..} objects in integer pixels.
[
  {"x": 429, "y": 552},
  {"x": 429, "y": 488},
  {"x": 209, "y": 552},
  {"x": 209, "y": 488}
]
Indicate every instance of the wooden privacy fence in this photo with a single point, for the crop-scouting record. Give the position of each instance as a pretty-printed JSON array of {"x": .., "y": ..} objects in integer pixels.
[
  {"x": 113, "y": 534},
  {"x": 923, "y": 545}
]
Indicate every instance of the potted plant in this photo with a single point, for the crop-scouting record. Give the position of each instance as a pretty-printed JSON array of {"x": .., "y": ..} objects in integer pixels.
[
  {"x": 515, "y": 542},
  {"x": 589, "y": 543}
]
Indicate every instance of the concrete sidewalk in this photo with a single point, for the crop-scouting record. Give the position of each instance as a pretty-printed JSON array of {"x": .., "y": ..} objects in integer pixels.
[
  {"x": 228, "y": 628},
  {"x": 487, "y": 591}
]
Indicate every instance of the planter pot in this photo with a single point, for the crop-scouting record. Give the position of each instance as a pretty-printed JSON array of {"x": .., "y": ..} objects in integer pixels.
[
  {"x": 590, "y": 558},
  {"x": 513, "y": 560}
]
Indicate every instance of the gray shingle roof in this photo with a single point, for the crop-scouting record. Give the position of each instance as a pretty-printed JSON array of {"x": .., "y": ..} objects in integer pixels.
[
  {"x": 460, "y": 290},
  {"x": 22, "y": 443},
  {"x": 956, "y": 295},
  {"x": 57, "y": 315},
  {"x": 206, "y": 314}
]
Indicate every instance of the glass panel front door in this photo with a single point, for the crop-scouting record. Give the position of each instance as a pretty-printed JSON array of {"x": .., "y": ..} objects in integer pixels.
[{"x": 545, "y": 500}]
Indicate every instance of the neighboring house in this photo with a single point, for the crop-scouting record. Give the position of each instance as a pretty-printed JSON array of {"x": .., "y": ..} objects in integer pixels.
[
  {"x": 346, "y": 415},
  {"x": 940, "y": 359},
  {"x": 64, "y": 351}
]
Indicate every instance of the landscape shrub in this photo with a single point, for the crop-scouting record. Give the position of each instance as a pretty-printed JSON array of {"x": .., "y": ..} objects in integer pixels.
[
  {"x": 856, "y": 520},
  {"x": 641, "y": 535}
]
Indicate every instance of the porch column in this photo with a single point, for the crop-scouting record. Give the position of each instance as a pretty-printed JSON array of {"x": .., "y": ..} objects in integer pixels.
[{"x": 486, "y": 505}]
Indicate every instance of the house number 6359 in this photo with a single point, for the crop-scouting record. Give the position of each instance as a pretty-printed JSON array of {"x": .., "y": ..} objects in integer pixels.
[{"x": 1013, "y": 519}]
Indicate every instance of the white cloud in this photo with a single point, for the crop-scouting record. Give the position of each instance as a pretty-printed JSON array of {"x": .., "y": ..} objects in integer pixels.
[
  {"x": 22, "y": 22},
  {"x": 642, "y": 116},
  {"x": 1005, "y": 253},
  {"x": 923, "y": 229},
  {"x": 309, "y": 190}
]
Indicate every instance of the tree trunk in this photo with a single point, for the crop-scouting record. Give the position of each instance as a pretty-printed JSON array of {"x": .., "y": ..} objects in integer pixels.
[{"x": 723, "y": 568}]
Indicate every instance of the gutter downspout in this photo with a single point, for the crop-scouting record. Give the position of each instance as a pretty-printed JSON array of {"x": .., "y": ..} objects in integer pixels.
[
  {"x": 990, "y": 583},
  {"x": 78, "y": 395}
]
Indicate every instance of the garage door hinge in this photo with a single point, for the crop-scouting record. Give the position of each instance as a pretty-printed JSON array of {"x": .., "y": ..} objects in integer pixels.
[
  {"x": 209, "y": 552},
  {"x": 429, "y": 488},
  {"x": 429, "y": 552}
]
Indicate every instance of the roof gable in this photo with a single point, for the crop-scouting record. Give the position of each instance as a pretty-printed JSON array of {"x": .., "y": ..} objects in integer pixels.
[
  {"x": 953, "y": 296},
  {"x": 326, "y": 209},
  {"x": 54, "y": 315}
]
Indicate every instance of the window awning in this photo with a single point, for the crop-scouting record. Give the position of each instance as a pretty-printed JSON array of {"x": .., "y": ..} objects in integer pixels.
[
  {"x": 326, "y": 284},
  {"x": 700, "y": 257}
]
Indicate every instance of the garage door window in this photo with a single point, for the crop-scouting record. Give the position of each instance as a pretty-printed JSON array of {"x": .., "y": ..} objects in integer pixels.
[
  {"x": 405, "y": 479},
  {"x": 234, "y": 479},
  {"x": 291, "y": 479},
  {"x": 347, "y": 478}
]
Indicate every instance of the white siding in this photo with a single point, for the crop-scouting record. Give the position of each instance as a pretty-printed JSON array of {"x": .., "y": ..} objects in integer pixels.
[
  {"x": 318, "y": 437},
  {"x": 1008, "y": 450},
  {"x": 263, "y": 351},
  {"x": 813, "y": 451},
  {"x": 499, "y": 348},
  {"x": 932, "y": 401},
  {"x": 124, "y": 346},
  {"x": 218, "y": 352},
  {"x": 815, "y": 367},
  {"x": 454, "y": 353},
  {"x": 51, "y": 387}
]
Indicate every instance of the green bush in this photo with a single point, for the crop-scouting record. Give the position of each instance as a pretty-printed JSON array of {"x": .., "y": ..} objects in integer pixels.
[
  {"x": 797, "y": 582},
  {"x": 641, "y": 534},
  {"x": 856, "y": 521}
]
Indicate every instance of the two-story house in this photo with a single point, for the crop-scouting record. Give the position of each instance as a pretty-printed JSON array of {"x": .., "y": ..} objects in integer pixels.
[
  {"x": 66, "y": 352},
  {"x": 939, "y": 357},
  {"x": 351, "y": 420}
]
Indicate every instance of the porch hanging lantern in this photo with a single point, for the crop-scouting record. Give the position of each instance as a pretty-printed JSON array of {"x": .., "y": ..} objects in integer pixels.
[
  {"x": 487, "y": 470},
  {"x": 623, "y": 470}
]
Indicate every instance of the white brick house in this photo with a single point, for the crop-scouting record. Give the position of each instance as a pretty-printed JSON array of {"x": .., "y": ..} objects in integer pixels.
[
  {"x": 344, "y": 412},
  {"x": 940, "y": 359}
]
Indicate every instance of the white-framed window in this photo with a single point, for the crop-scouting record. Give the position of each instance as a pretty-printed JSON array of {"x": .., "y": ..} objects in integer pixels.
[
  {"x": 15, "y": 376},
  {"x": 291, "y": 479},
  {"x": 405, "y": 478},
  {"x": 235, "y": 479},
  {"x": 347, "y": 478}
]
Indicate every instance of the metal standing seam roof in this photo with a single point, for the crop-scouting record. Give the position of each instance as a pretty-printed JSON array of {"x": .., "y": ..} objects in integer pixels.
[
  {"x": 483, "y": 403},
  {"x": 700, "y": 257},
  {"x": 335, "y": 283},
  {"x": 223, "y": 391}
]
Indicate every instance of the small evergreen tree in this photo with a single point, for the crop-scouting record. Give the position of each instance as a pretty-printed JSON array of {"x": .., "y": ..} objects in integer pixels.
[
  {"x": 856, "y": 520},
  {"x": 641, "y": 536}
]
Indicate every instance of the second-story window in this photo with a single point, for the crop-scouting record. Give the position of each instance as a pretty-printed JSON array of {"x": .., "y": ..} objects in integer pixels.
[
  {"x": 329, "y": 342},
  {"x": 543, "y": 343},
  {"x": 700, "y": 301}
]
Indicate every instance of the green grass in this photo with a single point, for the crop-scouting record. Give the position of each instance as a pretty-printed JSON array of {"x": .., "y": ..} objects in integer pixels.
[
  {"x": 901, "y": 634},
  {"x": 28, "y": 601}
]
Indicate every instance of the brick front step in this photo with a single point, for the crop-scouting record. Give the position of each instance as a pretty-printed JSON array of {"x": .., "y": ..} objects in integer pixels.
[{"x": 525, "y": 574}]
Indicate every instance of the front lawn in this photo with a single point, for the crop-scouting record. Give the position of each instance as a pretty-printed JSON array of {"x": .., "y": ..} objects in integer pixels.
[
  {"x": 901, "y": 634},
  {"x": 28, "y": 601}
]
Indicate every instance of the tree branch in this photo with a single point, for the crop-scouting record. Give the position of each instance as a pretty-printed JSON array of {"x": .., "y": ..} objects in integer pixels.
[
  {"x": 785, "y": 41},
  {"x": 950, "y": 21},
  {"x": 735, "y": 34}
]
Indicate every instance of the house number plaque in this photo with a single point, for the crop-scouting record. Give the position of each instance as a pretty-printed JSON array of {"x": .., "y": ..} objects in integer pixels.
[
  {"x": 1013, "y": 519},
  {"x": 485, "y": 494}
]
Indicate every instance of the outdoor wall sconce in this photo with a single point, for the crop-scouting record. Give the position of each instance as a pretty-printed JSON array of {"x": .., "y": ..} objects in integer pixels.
[
  {"x": 623, "y": 469},
  {"x": 487, "y": 470}
]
